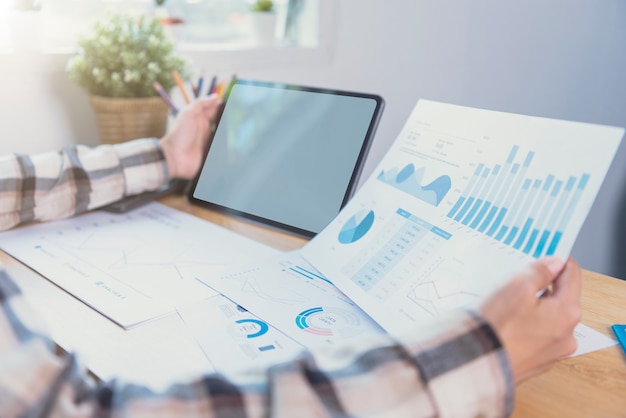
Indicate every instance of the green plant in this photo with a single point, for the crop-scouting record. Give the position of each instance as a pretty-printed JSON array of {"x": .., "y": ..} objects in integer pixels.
[
  {"x": 263, "y": 6},
  {"x": 124, "y": 56}
]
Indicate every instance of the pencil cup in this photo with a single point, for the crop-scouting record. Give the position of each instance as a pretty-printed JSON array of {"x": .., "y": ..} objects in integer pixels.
[{"x": 122, "y": 119}]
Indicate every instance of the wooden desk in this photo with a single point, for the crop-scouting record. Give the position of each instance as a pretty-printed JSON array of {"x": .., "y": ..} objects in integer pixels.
[{"x": 592, "y": 385}]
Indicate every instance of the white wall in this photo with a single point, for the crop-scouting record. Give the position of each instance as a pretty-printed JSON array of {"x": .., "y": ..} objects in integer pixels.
[{"x": 562, "y": 59}]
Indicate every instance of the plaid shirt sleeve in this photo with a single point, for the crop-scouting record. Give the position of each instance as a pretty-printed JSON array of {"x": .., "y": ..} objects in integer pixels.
[
  {"x": 454, "y": 367},
  {"x": 61, "y": 184}
]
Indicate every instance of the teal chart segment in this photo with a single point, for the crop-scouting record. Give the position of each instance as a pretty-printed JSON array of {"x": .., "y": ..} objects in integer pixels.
[
  {"x": 303, "y": 321},
  {"x": 252, "y": 328},
  {"x": 329, "y": 321},
  {"x": 356, "y": 227},
  {"x": 525, "y": 213},
  {"x": 410, "y": 181}
]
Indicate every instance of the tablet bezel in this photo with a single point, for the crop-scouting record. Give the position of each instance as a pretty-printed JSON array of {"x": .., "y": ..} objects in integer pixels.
[{"x": 356, "y": 172}]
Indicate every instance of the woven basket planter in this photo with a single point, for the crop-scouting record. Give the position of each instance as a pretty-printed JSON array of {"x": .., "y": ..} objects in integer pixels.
[{"x": 122, "y": 119}]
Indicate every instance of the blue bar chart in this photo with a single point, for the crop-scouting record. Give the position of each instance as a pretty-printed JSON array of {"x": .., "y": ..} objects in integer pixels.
[{"x": 524, "y": 213}]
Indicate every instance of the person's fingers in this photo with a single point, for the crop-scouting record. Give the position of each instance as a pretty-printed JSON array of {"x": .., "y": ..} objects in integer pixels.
[
  {"x": 554, "y": 264},
  {"x": 544, "y": 271},
  {"x": 568, "y": 284},
  {"x": 566, "y": 295},
  {"x": 205, "y": 107},
  {"x": 212, "y": 98},
  {"x": 210, "y": 105}
]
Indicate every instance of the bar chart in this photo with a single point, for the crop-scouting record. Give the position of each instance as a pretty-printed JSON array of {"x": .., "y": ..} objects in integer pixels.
[
  {"x": 463, "y": 199},
  {"x": 525, "y": 213}
]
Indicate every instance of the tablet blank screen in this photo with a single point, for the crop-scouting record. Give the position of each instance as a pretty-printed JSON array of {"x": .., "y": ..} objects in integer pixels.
[{"x": 286, "y": 155}]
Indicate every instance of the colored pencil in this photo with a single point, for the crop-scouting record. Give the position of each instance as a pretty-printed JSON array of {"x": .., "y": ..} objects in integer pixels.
[
  {"x": 220, "y": 89},
  {"x": 212, "y": 86},
  {"x": 166, "y": 98},
  {"x": 200, "y": 82},
  {"x": 181, "y": 86}
]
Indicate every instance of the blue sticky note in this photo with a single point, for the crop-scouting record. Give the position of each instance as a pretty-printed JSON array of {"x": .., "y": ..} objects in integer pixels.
[{"x": 620, "y": 333}]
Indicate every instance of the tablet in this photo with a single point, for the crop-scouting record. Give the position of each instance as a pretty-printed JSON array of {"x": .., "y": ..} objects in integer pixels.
[{"x": 286, "y": 156}]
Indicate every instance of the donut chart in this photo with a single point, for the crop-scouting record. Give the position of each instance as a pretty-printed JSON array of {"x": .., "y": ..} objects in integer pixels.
[
  {"x": 329, "y": 321},
  {"x": 251, "y": 328}
]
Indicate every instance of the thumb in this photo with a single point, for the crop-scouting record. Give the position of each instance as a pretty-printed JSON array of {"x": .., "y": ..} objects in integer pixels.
[
  {"x": 210, "y": 105},
  {"x": 546, "y": 270}
]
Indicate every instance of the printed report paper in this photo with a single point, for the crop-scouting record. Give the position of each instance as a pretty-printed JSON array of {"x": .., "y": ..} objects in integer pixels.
[
  {"x": 288, "y": 306},
  {"x": 131, "y": 267},
  {"x": 234, "y": 340},
  {"x": 292, "y": 296},
  {"x": 463, "y": 198}
]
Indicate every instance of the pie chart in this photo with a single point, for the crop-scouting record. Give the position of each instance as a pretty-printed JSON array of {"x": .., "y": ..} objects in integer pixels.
[{"x": 356, "y": 227}]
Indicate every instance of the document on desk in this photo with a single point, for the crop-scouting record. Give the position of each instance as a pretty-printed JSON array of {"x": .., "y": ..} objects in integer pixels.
[
  {"x": 131, "y": 267},
  {"x": 234, "y": 340},
  {"x": 292, "y": 296},
  {"x": 463, "y": 198}
]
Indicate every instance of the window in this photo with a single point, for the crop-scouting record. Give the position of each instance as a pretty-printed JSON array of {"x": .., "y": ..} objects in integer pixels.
[{"x": 52, "y": 26}]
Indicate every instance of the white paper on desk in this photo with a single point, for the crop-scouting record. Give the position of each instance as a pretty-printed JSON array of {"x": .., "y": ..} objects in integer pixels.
[
  {"x": 234, "y": 340},
  {"x": 156, "y": 354},
  {"x": 590, "y": 340},
  {"x": 288, "y": 293},
  {"x": 131, "y": 267},
  {"x": 463, "y": 198}
]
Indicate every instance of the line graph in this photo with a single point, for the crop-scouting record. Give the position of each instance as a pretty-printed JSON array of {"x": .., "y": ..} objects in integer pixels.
[
  {"x": 131, "y": 267},
  {"x": 441, "y": 289}
]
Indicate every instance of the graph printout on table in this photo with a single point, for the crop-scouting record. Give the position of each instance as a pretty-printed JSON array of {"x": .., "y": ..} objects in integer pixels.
[
  {"x": 131, "y": 267},
  {"x": 463, "y": 198},
  {"x": 233, "y": 339},
  {"x": 292, "y": 296}
]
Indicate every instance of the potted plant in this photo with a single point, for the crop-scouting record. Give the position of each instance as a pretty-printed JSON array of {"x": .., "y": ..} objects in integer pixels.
[
  {"x": 263, "y": 6},
  {"x": 117, "y": 64},
  {"x": 264, "y": 21}
]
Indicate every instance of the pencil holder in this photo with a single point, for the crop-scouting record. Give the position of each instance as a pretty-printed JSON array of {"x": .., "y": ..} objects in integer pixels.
[{"x": 122, "y": 119}]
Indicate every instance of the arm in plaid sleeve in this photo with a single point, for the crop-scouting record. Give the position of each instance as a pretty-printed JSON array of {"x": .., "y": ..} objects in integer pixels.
[
  {"x": 431, "y": 374},
  {"x": 460, "y": 369},
  {"x": 61, "y": 184}
]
